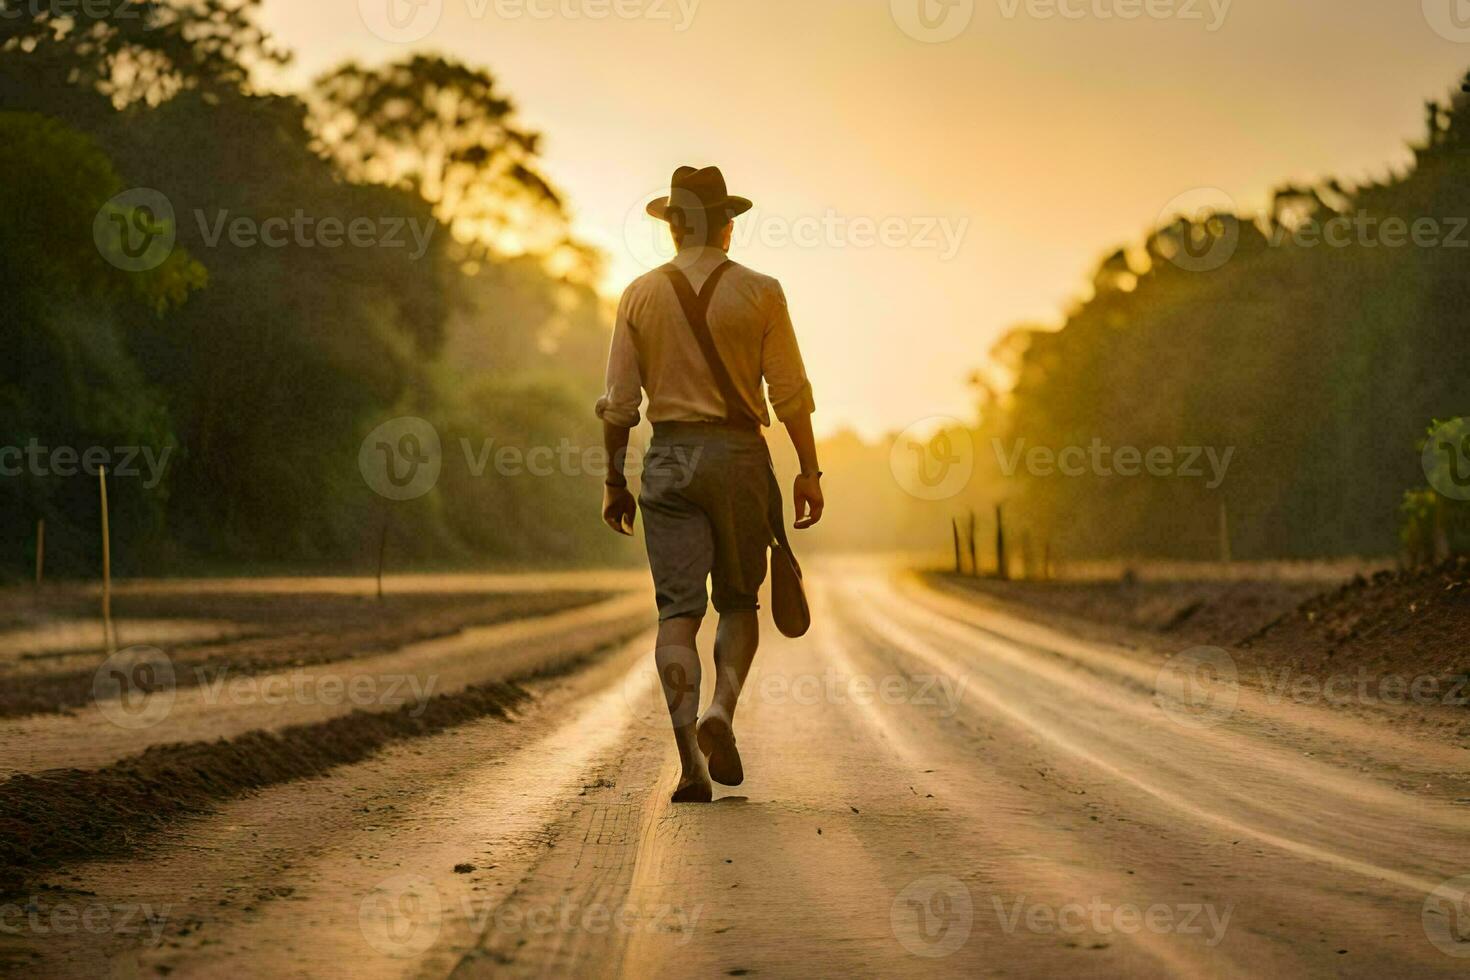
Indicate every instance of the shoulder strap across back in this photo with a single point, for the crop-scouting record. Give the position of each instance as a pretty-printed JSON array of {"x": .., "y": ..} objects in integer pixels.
[{"x": 696, "y": 311}]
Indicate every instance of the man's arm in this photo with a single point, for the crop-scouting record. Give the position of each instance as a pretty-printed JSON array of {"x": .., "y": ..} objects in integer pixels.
[
  {"x": 791, "y": 397},
  {"x": 619, "y": 509},
  {"x": 618, "y": 409},
  {"x": 806, "y": 492}
]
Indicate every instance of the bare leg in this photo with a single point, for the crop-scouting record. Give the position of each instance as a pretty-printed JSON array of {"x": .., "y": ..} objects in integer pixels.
[
  {"x": 735, "y": 645},
  {"x": 679, "y": 673}
]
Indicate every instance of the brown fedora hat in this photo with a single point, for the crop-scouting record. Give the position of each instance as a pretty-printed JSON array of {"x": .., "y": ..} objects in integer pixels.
[{"x": 693, "y": 189}]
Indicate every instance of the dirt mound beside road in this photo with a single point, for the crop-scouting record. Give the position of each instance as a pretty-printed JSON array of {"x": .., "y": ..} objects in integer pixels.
[
  {"x": 1220, "y": 612},
  {"x": 1396, "y": 626},
  {"x": 73, "y": 813},
  {"x": 1416, "y": 621}
]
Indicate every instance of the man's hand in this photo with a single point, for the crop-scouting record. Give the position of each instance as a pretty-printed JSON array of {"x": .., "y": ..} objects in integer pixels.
[
  {"x": 619, "y": 508},
  {"x": 807, "y": 494}
]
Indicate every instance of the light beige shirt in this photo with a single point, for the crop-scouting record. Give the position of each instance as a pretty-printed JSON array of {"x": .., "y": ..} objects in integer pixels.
[{"x": 654, "y": 350}]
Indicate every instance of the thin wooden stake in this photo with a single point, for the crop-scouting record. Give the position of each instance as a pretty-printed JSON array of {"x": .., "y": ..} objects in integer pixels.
[
  {"x": 954, "y": 524},
  {"x": 974, "y": 561},
  {"x": 40, "y": 550},
  {"x": 382, "y": 547},
  {"x": 109, "y": 638},
  {"x": 1002, "y": 569},
  {"x": 1224, "y": 533}
]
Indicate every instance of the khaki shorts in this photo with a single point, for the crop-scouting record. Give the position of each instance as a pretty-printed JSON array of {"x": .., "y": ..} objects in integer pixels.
[{"x": 707, "y": 497}]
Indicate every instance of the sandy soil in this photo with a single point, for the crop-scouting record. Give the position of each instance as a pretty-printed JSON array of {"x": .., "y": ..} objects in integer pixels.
[
  {"x": 934, "y": 785},
  {"x": 50, "y": 657}
]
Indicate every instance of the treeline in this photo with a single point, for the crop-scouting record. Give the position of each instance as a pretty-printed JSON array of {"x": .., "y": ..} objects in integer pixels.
[
  {"x": 1314, "y": 343},
  {"x": 1257, "y": 383},
  {"x": 381, "y": 245}
]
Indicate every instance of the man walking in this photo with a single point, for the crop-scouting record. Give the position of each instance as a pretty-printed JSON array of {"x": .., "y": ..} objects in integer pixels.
[{"x": 700, "y": 336}]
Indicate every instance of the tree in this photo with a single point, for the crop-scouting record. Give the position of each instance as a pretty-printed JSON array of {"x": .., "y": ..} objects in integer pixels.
[
  {"x": 69, "y": 379},
  {"x": 445, "y": 131}
]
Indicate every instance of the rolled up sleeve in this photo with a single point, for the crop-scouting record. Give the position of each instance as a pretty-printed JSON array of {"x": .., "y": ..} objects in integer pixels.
[
  {"x": 786, "y": 381},
  {"x": 619, "y": 405}
]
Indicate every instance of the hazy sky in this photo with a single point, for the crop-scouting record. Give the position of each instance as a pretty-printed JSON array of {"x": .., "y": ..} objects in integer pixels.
[{"x": 918, "y": 196}]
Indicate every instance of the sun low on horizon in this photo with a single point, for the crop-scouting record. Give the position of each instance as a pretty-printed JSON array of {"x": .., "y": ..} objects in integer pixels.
[{"x": 927, "y": 175}]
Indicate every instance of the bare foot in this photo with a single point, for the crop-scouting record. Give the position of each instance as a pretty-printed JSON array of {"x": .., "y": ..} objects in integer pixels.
[
  {"x": 694, "y": 787},
  {"x": 717, "y": 741}
]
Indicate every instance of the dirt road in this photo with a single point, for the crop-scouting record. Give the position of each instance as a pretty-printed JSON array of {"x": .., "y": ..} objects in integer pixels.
[{"x": 933, "y": 787}]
